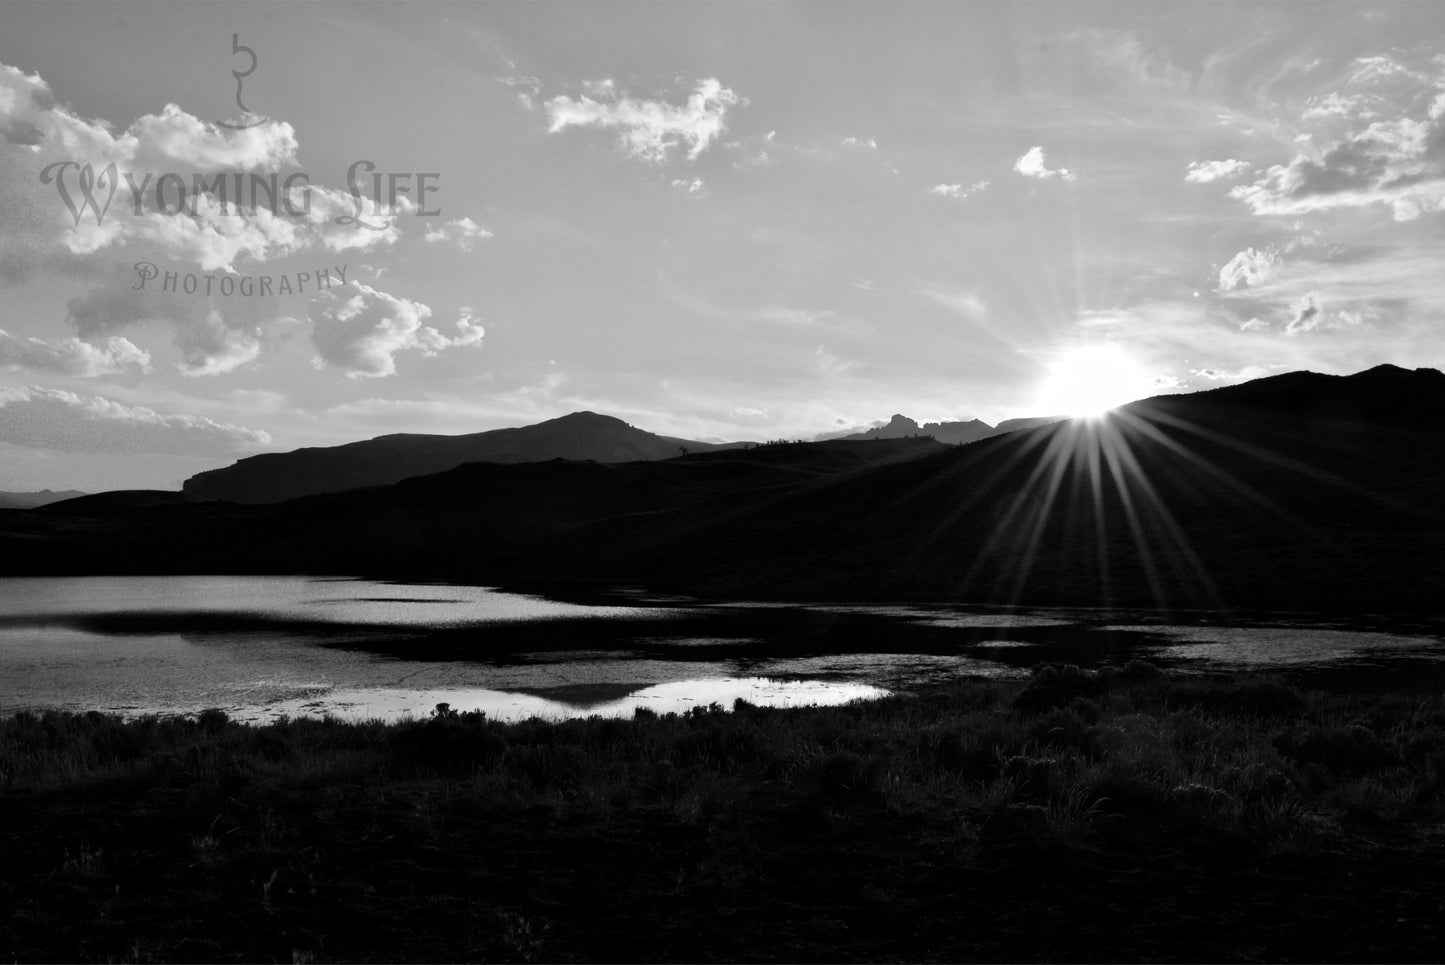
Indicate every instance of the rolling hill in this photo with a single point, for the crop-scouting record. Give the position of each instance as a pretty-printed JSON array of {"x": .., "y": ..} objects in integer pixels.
[
  {"x": 1301, "y": 490},
  {"x": 273, "y": 477},
  {"x": 31, "y": 500}
]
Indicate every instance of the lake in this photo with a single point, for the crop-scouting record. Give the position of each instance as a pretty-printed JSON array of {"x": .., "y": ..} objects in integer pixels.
[{"x": 260, "y": 647}]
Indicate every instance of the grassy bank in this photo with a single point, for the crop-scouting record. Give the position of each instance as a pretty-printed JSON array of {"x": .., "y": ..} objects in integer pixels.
[{"x": 1124, "y": 815}]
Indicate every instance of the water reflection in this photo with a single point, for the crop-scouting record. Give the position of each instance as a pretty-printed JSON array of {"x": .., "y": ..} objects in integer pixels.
[
  {"x": 675, "y": 697},
  {"x": 262, "y": 646},
  {"x": 1225, "y": 648},
  {"x": 300, "y": 600}
]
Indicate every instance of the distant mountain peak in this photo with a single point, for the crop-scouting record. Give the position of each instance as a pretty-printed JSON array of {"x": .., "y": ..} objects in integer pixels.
[{"x": 584, "y": 436}]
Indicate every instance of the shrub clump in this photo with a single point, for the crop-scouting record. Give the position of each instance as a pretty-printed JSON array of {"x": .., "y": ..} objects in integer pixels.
[{"x": 1351, "y": 749}]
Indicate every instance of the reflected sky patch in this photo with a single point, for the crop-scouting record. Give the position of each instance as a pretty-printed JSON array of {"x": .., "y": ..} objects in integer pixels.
[{"x": 674, "y": 697}]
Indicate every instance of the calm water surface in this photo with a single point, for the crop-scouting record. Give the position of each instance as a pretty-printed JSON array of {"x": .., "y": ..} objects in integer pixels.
[{"x": 262, "y": 647}]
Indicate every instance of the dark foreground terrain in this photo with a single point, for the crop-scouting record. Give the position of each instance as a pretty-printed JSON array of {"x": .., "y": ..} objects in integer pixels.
[{"x": 1124, "y": 815}]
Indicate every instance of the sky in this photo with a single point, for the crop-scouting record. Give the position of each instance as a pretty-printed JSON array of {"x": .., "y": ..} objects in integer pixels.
[{"x": 711, "y": 220}]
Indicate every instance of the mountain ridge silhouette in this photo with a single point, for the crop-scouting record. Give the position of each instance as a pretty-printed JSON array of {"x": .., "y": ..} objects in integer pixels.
[
  {"x": 1306, "y": 491},
  {"x": 583, "y": 435}
]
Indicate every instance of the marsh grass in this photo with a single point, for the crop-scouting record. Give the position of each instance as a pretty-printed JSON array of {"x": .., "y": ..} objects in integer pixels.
[{"x": 978, "y": 810}]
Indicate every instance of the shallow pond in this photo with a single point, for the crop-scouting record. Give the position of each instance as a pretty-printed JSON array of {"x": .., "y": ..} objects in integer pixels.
[{"x": 262, "y": 647}]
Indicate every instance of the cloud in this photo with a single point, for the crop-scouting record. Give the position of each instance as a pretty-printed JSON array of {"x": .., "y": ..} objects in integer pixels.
[
  {"x": 359, "y": 330},
  {"x": 63, "y": 421},
  {"x": 692, "y": 186},
  {"x": 1031, "y": 165},
  {"x": 1308, "y": 315},
  {"x": 1249, "y": 267},
  {"x": 210, "y": 229},
  {"x": 211, "y": 340},
  {"x": 958, "y": 300},
  {"x": 1337, "y": 105},
  {"x": 806, "y": 317},
  {"x": 958, "y": 192},
  {"x": 527, "y": 87},
  {"x": 71, "y": 356},
  {"x": 1383, "y": 145},
  {"x": 826, "y": 363},
  {"x": 1203, "y": 172},
  {"x": 857, "y": 142},
  {"x": 462, "y": 232},
  {"x": 176, "y": 140},
  {"x": 1395, "y": 287},
  {"x": 650, "y": 130},
  {"x": 1231, "y": 375},
  {"x": 211, "y": 347}
]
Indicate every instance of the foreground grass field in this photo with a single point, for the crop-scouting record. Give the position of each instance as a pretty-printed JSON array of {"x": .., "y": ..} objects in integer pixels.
[{"x": 1120, "y": 815}]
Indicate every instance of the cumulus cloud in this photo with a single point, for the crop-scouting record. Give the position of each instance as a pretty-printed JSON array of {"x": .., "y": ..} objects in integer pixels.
[
  {"x": 211, "y": 347},
  {"x": 174, "y": 139},
  {"x": 359, "y": 330},
  {"x": 1031, "y": 165},
  {"x": 958, "y": 192},
  {"x": 63, "y": 421},
  {"x": 1383, "y": 143},
  {"x": 863, "y": 142},
  {"x": 1308, "y": 315},
  {"x": 87, "y": 206},
  {"x": 1203, "y": 172},
  {"x": 462, "y": 232},
  {"x": 1247, "y": 268},
  {"x": 692, "y": 186},
  {"x": 211, "y": 340},
  {"x": 650, "y": 130},
  {"x": 71, "y": 356}
]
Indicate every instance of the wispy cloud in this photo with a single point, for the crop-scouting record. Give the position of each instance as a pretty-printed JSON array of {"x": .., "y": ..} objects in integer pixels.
[
  {"x": 958, "y": 192},
  {"x": 1203, "y": 172},
  {"x": 650, "y": 129},
  {"x": 71, "y": 356},
  {"x": 64, "y": 421}
]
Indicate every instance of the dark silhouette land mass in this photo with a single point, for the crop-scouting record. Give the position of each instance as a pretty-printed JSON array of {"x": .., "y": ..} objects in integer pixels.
[
  {"x": 1300, "y": 490},
  {"x": 31, "y": 500},
  {"x": 273, "y": 477}
]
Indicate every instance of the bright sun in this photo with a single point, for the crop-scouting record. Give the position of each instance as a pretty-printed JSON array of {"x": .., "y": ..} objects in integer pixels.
[{"x": 1087, "y": 381}]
